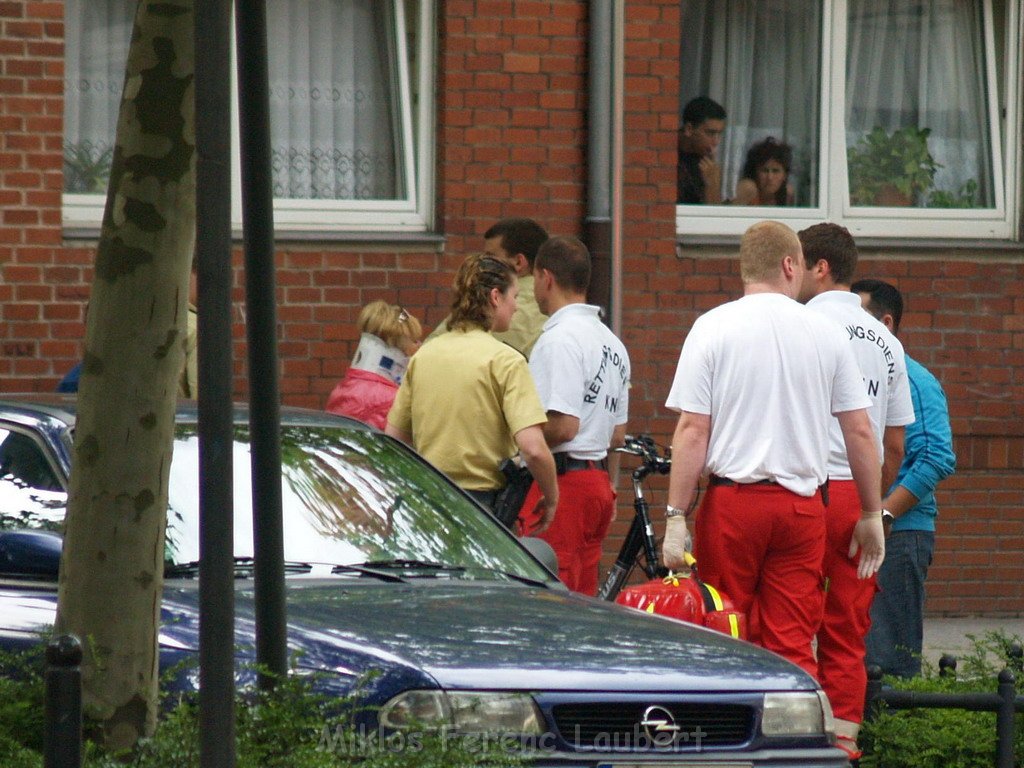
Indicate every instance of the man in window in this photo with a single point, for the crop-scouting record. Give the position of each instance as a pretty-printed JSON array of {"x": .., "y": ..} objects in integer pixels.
[{"x": 699, "y": 174}]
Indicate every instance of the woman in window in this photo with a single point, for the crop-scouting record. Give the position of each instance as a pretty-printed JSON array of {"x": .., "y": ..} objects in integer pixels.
[
  {"x": 765, "y": 178},
  {"x": 468, "y": 401}
]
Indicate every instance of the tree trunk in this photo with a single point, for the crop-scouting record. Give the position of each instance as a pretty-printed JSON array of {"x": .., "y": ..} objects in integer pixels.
[{"x": 111, "y": 578}]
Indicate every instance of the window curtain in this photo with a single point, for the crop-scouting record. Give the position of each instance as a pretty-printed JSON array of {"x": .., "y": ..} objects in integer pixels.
[
  {"x": 333, "y": 97},
  {"x": 761, "y": 60},
  {"x": 921, "y": 63},
  {"x": 96, "y": 49}
]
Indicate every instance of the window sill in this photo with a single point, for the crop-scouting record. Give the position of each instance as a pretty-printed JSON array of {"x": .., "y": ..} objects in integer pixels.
[
  {"x": 868, "y": 244},
  {"x": 432, "y": 241}
]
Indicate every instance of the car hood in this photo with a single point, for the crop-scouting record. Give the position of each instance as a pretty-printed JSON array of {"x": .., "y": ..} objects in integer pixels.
[{"x": 472, "y": 635}]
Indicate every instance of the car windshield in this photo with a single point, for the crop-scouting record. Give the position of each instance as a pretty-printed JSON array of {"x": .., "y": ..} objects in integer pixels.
[{"x": 349, "y": 497}]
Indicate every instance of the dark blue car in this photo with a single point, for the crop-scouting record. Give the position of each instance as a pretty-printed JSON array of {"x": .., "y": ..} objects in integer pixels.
[{"x": 400, "y": 586}]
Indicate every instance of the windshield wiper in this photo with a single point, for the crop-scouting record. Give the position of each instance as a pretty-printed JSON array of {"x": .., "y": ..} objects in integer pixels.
[
  {"x": 528, "y": 580},
  {"x": 364, "y": 569},
  {"x": 428, "y": 568},
  {"x": 244, "y": 566},
  {"x": 414, "y": 567}
]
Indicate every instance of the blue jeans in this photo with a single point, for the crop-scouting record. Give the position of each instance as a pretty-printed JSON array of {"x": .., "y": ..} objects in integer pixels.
[{"x": 897, "y": 613}]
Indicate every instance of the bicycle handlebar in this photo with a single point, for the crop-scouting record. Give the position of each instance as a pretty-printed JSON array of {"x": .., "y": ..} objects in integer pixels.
[{"x": 653, "y": 456}]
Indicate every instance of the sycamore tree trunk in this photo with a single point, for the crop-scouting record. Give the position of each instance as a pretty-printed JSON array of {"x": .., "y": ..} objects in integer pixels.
[{"x": 111, "y": 575}]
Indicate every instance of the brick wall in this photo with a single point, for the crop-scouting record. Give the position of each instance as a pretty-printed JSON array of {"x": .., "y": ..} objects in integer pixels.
[
  {"x": 512, "y": 120},
  {"x": 511, "y": 128},
  {"x": 31, "y": 84}
]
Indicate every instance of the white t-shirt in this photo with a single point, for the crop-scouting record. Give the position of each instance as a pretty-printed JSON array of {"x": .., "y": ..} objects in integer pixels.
[
  {"x": 768, "y": 371},
  {"x": 883, "y": 368},
  {"x": 582, "y": 369}
]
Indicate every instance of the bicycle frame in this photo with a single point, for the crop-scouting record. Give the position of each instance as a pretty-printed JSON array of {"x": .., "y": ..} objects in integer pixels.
[{"x": 640, "y": 537}]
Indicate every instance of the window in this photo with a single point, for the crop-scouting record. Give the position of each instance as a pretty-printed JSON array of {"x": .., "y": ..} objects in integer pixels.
[
  {"x": 350, "y": 126},
  {"x": 898, "y": 114},
  {"x": 31, "y": 493}
]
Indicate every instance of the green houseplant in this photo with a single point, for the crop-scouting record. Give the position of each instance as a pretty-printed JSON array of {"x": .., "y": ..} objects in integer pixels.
[
  {"x": 86, "y": 168},
  {"x": 891, "y": 168}
]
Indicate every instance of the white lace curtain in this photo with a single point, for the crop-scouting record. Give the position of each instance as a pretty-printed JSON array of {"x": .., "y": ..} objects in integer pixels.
[
  {"x": 909, "y": 63},
  {"x": 921, "y": 63},
  {"x": 98, "y": 33},
  {"x": 333, "y": 86},
  {"x": 333, "y": 92}
]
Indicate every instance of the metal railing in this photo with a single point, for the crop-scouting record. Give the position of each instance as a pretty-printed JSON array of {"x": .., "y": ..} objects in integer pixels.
[{"x": 1004, "y": 702}]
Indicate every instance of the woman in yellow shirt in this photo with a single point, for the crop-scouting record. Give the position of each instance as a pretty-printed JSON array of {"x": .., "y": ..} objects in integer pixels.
[{"x": 467, "y": 401}]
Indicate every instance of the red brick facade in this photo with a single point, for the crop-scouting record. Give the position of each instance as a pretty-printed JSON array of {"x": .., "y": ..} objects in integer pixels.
[{"x": 511, "y": 140}]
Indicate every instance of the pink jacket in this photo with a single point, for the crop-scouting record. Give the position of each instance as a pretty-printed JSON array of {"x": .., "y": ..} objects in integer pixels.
[{"x": 365, "y": 396}]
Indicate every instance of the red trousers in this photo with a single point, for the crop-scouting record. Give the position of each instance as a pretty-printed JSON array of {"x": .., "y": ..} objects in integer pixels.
[
  {"x": 585, "y": 507},
  {"x": 763, "y": 546},
  {"x": 847, "y": 618}
]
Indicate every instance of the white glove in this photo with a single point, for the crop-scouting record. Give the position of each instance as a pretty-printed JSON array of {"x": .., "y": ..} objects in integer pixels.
[
  {"x": 677, "y": 543},
  {"x": 869, "y": 540}
]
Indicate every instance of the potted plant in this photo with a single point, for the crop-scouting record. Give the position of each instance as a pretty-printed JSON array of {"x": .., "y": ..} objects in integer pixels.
[
  {"x": 86, "y": 168},
  {"x": 891, "y": 168}
]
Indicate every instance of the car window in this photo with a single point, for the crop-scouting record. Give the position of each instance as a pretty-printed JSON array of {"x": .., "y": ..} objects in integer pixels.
[
  {"x": 349, "y": 496},
  {"x": 31, "y": 493}
]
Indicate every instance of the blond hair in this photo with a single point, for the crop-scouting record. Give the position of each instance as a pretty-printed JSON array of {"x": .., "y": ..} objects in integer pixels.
[
  {"x": 762, "y": 249},
  {"x": 389, "y": 323}
]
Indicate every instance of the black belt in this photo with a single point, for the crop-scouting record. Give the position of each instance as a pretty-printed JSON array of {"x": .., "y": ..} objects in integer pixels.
[
  {"x": 487, "y": 498},
  {"x": 719, "y": 480},
  {"x": 566, "y": 463},
  {"x": 715, "y": 480}
]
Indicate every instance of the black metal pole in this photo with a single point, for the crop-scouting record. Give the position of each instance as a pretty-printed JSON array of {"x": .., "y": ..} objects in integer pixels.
[
  {"x": 213, "y": 271},
  {"x": 62, "y": 729},
  {"x": 874, "y": 688},
  {"x": 1006, "y": 719},
  {"x": 261, "y": 328}
]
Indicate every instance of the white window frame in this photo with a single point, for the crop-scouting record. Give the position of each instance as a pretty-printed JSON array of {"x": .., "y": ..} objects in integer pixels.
[
  {"x": 413, "y": 213},
  {"x": 1001, "y": 222}
]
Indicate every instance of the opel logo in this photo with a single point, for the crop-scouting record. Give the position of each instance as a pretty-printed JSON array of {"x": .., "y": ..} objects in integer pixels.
[{"x": 659, "y": 726}]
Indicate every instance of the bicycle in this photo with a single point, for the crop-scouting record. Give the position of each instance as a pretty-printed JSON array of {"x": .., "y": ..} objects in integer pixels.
[{"x": 639, "y": 541}]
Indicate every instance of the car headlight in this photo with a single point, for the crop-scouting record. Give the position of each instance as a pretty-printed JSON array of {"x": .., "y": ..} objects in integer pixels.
[
  {"x": 464, "y": 712},
  {"x": 796, "y": 714}
]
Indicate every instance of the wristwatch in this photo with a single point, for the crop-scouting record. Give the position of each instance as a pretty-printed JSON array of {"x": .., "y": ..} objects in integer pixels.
[
  {"x": 671, "y": 511},
  {"x": 887, "y": 516}
]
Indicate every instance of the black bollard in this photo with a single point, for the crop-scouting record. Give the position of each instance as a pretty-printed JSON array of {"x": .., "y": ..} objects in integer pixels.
[
  {"x": 874, "y": 688},
  {"x": 1005, "y": 716},
  {"x": 947, "y": 665},
  {"x": 62, "y": 734}
]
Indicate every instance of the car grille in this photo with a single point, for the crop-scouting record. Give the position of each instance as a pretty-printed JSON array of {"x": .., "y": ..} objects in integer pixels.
[{"x": 615, "y": 726}]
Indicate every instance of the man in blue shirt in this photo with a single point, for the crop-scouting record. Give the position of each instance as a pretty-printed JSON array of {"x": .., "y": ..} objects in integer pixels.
[{"x": 897, "y": 613}]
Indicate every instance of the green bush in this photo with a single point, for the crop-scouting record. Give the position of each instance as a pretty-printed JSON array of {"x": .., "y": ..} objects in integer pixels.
[
  {"x": 945, "y": 738},
  {"x": 21, "y": 705},
  {"x": 289, "y": 727}
]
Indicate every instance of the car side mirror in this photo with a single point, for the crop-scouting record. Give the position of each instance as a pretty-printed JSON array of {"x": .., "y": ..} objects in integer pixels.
[
  {"x": 541, "y": 550},
  {"x": 34, "y": 554}
]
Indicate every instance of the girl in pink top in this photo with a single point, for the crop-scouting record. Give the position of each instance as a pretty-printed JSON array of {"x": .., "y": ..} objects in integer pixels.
[{"x": 390, "y": 336}]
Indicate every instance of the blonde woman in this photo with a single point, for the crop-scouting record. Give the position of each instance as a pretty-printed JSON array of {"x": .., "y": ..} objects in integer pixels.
[
  {"x": 389, "y": 337},
  {"x": 468, "y": 401}
]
